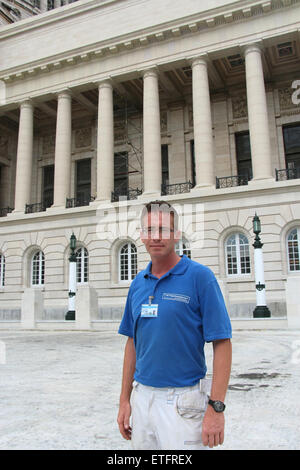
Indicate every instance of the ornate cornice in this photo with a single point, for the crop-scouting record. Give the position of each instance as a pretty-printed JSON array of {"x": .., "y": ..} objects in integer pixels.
[{"x": 190, "y": 26}]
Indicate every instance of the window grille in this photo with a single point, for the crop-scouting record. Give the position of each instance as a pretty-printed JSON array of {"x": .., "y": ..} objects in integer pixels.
[
  {"x": 82, "y": 258},
  {"x": 38, "y": 269},
  {"x": 237, "y": 255},
  {"x": 293, "y": 246},
  {"x": 127, "y": 262},
  {"x": 182, "y": 247}
]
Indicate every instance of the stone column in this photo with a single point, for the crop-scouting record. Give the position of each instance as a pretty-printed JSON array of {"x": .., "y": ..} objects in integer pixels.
[
  {"x": 62, "y": 168},
  {"x": 151, "y": 135},
  {"x": 105, "y": 144},
  {"x": 203, "y": 138},
  {"x": 257, "y": 114},
  {"x": 24, "y": 157}
]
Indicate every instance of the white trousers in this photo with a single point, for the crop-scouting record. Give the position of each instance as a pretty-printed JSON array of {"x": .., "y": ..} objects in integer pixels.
[{"x": 168, "y": 418}]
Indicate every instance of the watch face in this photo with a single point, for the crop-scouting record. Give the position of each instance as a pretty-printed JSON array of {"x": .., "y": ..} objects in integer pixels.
[{"x": 219, "y": 406}]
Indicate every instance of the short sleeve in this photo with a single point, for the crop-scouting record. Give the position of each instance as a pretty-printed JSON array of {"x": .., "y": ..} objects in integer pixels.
[
  {"x": 215, "y": 319},
  {"x": 126, "y": 325}
]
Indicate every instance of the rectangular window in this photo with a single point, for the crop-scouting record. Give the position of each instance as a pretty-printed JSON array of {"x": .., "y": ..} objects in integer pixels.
[
  {"x": 232, "y": 260},
  {"x": 291, "y": 138},
  {"x": 165, "y": 164},
  {"x": 245, "y": 259},
  {"x": 83, "y": 182},
  {"x": 193, "y": 166},
  {"x": 121, "y": 173},
  {"x": 48, "y": 186},
  {"x": 243, "y": 154}
]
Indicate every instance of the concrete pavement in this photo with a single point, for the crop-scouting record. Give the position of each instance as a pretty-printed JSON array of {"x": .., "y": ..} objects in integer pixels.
[{"x": 60, "y": 390}]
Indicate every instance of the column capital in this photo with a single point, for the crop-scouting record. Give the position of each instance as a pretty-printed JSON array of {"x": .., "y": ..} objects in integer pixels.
[
  {"x": 251, "y": 47},
  {"x": 202, "y": 59},
  {"x": 26, "y": 104},
  {"x": 150, "y": 72},
  {"x": 64, "y": 94},
  {"x": 107, "y": 83}
]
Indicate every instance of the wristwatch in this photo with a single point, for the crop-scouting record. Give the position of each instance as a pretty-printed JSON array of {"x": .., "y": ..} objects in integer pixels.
[{"x": 217, "y": 405}]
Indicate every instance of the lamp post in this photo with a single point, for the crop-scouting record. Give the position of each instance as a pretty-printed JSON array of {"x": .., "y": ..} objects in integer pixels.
[
  {"x": 261, "y": 310},
  {"x": 72, "y": 279}
]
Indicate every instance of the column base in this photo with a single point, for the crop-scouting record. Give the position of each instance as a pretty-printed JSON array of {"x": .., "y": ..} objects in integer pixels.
[
  {"x": 100, "y": 200},
  {"x": 203, "y": 186},
  {"x": 261, "y": 311},
  {"x": 55, "y": 208},
  {"x": 70, "y": 315},
  {"x": 150, "y": 195},
  {"x": 16, "y": 212},
  {"x": 261, "y": 182}
]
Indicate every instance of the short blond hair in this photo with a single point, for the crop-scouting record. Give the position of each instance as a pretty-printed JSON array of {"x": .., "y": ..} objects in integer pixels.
[{"x": 160, "y": 206}]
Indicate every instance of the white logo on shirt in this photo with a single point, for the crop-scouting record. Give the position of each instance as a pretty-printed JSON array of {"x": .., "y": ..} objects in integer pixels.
[{"x": 178, "y": 297}]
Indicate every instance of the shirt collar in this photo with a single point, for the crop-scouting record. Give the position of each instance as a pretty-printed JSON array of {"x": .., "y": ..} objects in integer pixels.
[{"x": 179, "y": 268}]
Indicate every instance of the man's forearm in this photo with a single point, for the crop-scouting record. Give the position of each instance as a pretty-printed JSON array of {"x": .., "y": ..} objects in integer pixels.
[
  {"x": 213, "y": 422},
  {"x": 128, "y": 370},
  {"x": 221, "y": 369},
  {"x": 128, "y": 373}
]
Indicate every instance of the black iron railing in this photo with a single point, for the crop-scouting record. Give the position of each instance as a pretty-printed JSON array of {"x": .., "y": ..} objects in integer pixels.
[
  {"x": 128, "y": 195},
  {"x": 231, "y": 181},
  {"x": 287, "y": 174},
  {"x": 79, "y": 201},
  {"x": 37, "y": 207},
  {"x": 5, "y": 210},
  {"x": 176, "y": 188}
]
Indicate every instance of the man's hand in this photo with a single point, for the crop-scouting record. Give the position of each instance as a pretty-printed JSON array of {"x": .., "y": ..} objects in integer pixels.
[
  {"x": 123, "y": 420},
  {"x": 213, "y": 428}
]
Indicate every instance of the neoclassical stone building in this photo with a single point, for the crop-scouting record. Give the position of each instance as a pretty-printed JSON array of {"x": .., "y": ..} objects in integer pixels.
[
  {"x": 197, "y": 103},
  {"x": 17, "y": 10}
]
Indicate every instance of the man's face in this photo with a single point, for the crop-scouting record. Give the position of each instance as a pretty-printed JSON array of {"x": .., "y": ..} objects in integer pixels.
[{"x": 158, "y": 233}]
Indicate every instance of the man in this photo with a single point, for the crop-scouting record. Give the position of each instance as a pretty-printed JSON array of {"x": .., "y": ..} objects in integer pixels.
[{"x": 173, "y": 307}]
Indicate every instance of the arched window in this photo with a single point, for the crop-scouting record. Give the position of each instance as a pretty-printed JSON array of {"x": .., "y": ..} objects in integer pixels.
[
  {"x": 182, "y": 247},
  {"x": 2, "y": 270},
  {"x": 127, "y": 262},
  {"x": 38, "y": 269},
  {"x": 82, "y": 258},
  {"x": 237, "y": 255},
  {"x": 293, "y": 248}
]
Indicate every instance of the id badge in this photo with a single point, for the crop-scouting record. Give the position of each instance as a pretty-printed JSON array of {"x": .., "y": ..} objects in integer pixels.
[{"x": 149, "y": 311}]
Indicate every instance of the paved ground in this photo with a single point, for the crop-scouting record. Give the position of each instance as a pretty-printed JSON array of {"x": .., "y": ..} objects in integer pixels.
[{"x": 60, "y": 390}]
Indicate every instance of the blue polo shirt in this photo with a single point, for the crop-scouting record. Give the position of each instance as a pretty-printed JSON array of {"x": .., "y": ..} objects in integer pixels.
[{"x": 191, "y": 311}]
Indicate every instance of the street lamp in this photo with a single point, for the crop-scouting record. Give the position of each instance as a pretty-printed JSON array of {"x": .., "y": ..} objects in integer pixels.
[
  {"x": 72, "y": 279},
  {"x": 261, "y": 310}
]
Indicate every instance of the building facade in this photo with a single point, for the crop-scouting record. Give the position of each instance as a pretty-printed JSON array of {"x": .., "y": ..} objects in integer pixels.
[
  {"x": 16, "y": 10},
  {"x": 195, "y": 103}
]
